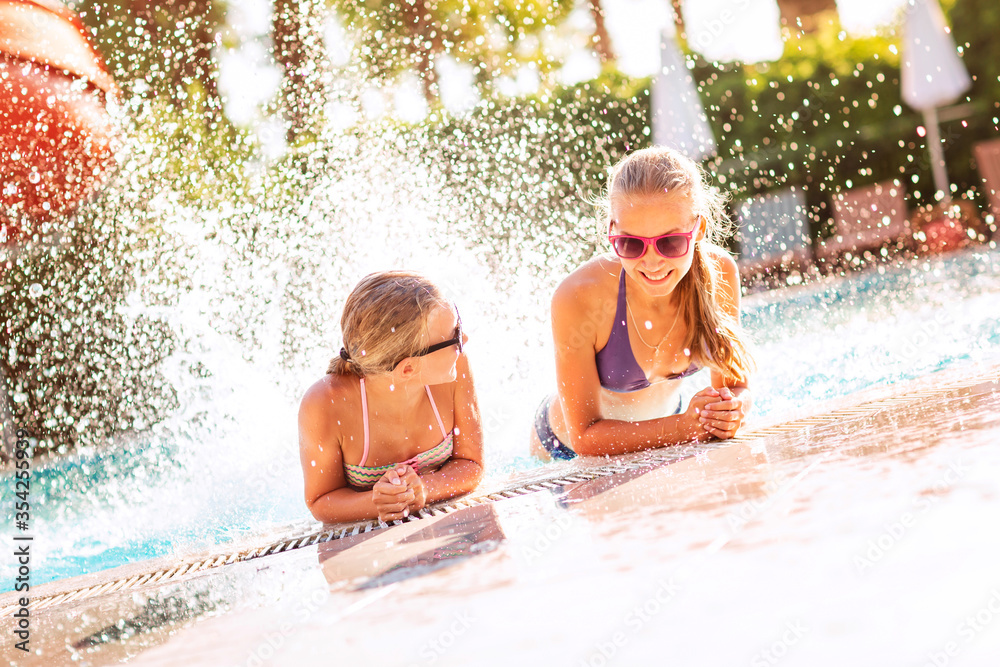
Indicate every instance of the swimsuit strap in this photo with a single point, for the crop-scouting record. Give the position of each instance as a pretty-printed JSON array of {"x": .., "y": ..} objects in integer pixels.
[
  {"x": 437, "y": 415},
  {"x": 618, "y": 344},
  {"x": 364, "y": 418},
  {"x": 621, "y": 309},
  {"x": 617, "y": 367}
]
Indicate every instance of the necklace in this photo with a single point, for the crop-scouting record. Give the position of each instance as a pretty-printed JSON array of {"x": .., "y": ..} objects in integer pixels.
[{"x": 665, "y": 336}]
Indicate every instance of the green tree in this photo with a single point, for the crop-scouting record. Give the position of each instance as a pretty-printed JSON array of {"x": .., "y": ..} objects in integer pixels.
[
  {"x": 601, "y": 40},
  {"x": 974, "y": 26},
  {"x": 398, "y": 35},
  {"x": 295, "y": 30},
  {"x": 160, "y": 45},
  {"x": 829, "y": 116}
]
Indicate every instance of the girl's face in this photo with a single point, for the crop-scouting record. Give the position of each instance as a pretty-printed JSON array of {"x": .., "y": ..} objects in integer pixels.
[
  {"x": 439, "y": 367},
  {"x": 650, "y": 217}
]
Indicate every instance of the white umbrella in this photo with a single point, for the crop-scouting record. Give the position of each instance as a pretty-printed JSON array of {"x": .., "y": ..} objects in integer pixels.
[
  {"x": 679, "y": 120},
  {"x": 933, "y": 75}
]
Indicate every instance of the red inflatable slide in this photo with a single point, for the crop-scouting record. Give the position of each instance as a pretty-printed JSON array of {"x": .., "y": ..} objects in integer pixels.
[{"x": 55, "y": 132}]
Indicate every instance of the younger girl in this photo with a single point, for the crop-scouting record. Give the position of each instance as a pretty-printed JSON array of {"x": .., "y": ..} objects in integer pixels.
[
  {"x": 394, "y": 424},
  {"x": 629, "y": 327}
]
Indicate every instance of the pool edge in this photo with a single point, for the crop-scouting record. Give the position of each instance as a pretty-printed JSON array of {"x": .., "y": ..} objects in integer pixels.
[{"x": 170, "y": 569}]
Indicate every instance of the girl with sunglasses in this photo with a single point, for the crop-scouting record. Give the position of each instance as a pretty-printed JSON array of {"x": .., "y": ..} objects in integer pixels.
[
  {"x": 394, "y": 424},
  {"x": 629, "y": 327}
]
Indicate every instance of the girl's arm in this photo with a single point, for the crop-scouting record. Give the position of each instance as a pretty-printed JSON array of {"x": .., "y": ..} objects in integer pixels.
[
  {"x": 724, "y": 417},
  {"x": 464, "y": 470},
  {"x": 575, "y": 321},
  {"x": 327, "y": 494}
]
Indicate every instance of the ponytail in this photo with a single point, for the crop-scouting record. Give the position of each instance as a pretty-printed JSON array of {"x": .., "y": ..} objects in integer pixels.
[{"x": 342, "y": 364}]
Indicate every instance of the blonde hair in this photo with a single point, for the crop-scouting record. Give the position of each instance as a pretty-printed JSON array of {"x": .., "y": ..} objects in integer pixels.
[
  {"x": 714, "y": 337},
  {"x": 384, "y": 321}
]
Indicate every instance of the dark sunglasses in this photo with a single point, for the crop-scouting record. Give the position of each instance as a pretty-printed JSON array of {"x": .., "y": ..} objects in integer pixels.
[
  {"x": 457, "y": 340},
  {"x": 675, "y": 244}
]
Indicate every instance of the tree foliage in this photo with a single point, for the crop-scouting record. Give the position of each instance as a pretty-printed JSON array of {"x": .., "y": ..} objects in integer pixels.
[
  {"x": 494, "y": 36},
  {"x": 829, "y": 115},
  {"x": 826, "y": 116},
  {"x": 160, "y": 46}
]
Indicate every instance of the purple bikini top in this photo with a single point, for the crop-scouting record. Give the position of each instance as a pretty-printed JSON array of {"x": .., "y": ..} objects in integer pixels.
[{"x": 616, "y": 364}]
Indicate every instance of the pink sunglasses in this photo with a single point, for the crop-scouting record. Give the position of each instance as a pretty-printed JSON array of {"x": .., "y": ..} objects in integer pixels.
[{"x": 675, "y": 244}]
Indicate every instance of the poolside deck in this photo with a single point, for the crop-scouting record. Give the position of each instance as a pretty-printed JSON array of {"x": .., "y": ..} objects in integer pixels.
[{"x": 850, "y": 535}]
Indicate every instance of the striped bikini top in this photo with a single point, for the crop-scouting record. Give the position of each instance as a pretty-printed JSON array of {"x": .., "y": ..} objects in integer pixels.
[{"x": 364, "y": 478}]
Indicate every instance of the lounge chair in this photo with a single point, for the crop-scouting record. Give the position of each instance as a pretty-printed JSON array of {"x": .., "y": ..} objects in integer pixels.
[
  {"x": 866, "y": 219},
  {"x": 988, "y": 160},
  {"x": 773, "y": 234}
]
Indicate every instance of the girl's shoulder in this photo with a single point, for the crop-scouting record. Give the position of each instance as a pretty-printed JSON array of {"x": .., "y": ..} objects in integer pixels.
[
  {"x": 330, "y": 391},
  {"x": 326, "y": 413},
  {"x": 590, "y": 282},
  {"x": 583, "y": 304}
]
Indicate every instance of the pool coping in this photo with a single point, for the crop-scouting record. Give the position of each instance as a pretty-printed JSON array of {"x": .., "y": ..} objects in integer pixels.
[{"x": 157, "y": 571}]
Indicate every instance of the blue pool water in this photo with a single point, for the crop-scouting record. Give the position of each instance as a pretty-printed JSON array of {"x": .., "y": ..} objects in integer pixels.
[{"x": 228, "y": 466}]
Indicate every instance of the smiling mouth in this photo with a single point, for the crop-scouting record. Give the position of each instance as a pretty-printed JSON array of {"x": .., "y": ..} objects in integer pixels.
[{"x": 656, "y": 280}]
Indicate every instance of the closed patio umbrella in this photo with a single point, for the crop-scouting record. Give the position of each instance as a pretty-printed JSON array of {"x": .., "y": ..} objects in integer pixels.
[
  {"x": 679, "y": 120},
  {"x": 933, "y": 75}
]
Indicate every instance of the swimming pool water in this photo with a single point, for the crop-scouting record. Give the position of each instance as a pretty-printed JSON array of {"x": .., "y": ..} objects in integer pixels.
[{"x": 837, "y": 336}]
